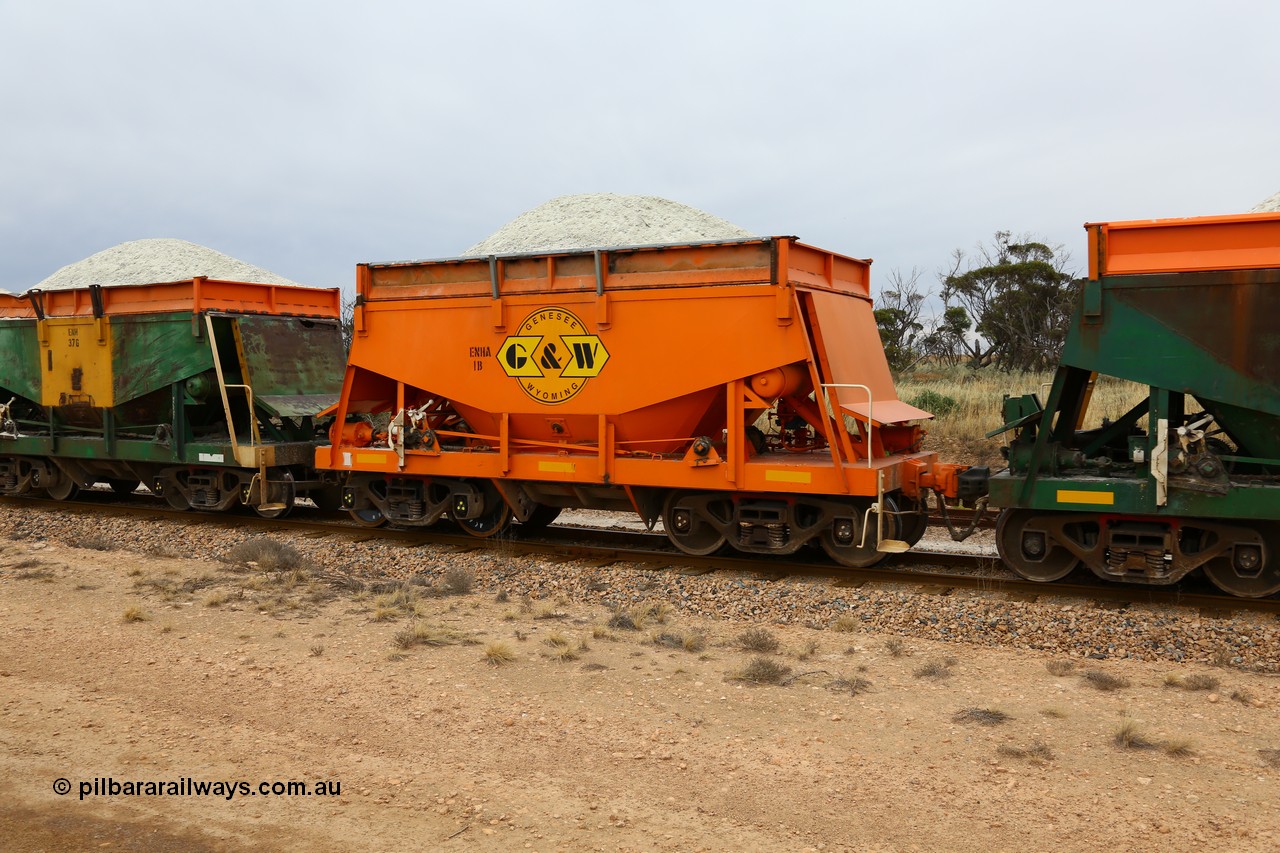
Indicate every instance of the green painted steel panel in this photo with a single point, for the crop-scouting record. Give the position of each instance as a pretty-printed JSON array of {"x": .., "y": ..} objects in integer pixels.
[
  {"x": 1206, "y": 334},
  {"x": 1135, "y": 496},
  {"x": 295, "y": 365},
  {"x": 150, "y": 352},
  {"x": 20, "y": 359},
  {"x": 1210, "y": 335}
]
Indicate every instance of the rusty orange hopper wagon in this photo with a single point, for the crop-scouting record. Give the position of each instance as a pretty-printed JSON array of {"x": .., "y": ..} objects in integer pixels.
[{"x": 736, "y": 391}]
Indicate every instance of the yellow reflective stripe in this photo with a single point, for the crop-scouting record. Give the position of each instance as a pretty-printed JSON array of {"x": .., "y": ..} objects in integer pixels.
[
  {"x": 558, "y": 467},
  {"x": 774, "y": 475},
  {"x": 1068, "y": 496},
  {"x": 372, "y": 458}
]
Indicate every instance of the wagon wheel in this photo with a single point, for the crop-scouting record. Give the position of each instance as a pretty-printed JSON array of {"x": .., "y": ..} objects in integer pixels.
[
  {"x": 843, "y": 541},
  {"x": 123, "y": 487},
  {"x": 175, "y": 497},
  {"x": 1249, "y": 582},
  {"x": 496, "y": 518},
  {"x": 1027, "y": 547},
  {"x": 912, "y": 527},
  {"x": 493, "y": 520},
  {"x": 279, "y": 495},
  {"x": 541, "y": 516},
  {"x": 368, "y": 517},
  {"x": 686, "y": 528},
  {"x": 63, "y": 489}
]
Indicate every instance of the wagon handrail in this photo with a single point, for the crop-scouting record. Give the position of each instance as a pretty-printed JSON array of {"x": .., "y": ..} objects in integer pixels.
[{"x": 870, "y": 404}]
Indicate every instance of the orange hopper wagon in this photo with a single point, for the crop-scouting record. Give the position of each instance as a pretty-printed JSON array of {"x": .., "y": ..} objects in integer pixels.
[{"x": 737, "y": 391}]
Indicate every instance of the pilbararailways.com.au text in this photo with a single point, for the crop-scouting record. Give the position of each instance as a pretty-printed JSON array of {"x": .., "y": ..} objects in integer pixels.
[{"x": 188, "y": 787}]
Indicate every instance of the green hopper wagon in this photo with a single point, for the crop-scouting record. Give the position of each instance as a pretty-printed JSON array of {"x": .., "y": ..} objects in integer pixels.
[
  {"x": 1189, "y": 478},
  {"x": 205, "y": 391}
]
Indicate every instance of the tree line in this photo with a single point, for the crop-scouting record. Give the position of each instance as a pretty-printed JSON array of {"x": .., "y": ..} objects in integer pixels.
[{"x": 1006, "y": 305}]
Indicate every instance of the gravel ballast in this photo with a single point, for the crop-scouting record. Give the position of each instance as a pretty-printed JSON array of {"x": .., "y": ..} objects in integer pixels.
[
  {"x": 1075, "y": 627},
  {"x": 595, "y": 220},
  {"x": 157, "y": 260},
  {"x": 1270, "y": 204}
]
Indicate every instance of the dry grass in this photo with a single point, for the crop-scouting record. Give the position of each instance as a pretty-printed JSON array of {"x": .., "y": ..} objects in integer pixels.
[
  {"x": 266, "y": 554},
  {"x": 1055, "y": 712},
  {"x": 937, "y": 669},
  {"x": 216, "y": 599},
  {"x": 1128, "y": 735},
  {"x": 1104, "y": 681},
  {"x": 32, "y": 573},
  {"x": 1244, "y": 697},
  {"x": 499, "y": 653},
  {"x": 978, "y": 396},
  {"x": 1195, "y": 681},
  {"x": 1038, "y": 752},
  {"x": 1060, "y": 667},
  {"x": 622, "y": 621},
  {"x": 649, "y": 613},
  {"x": 95, "y": 543},
  {"x": 1179, "y": 748},
  {"x": 758, "y": 640},
  {"x": 458, "y": 580},
  {"x": 1270, "y": 757},
  {"x": 316, "y": 650},
  {"x": 561, "y": 647},
  {"x": 762, "y": 670},
  {"x": 809, "y": 650},
  {"x": 852, "y": 686},
  {"x": 981, "y": 716},
  {"x": 134, "y": 614},
  {"x": 845, "y": 624},
  {"x": 895, "y": 647},
  {"x": 690, "y": 642},
  {"x": 422, "y": 634}
]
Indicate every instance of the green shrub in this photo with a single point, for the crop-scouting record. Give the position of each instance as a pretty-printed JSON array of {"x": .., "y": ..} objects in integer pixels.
[{"x": 939, "y": 405}]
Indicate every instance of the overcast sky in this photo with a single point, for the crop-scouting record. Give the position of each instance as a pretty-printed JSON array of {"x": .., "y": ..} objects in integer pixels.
[{"x": 306, "y": 137}]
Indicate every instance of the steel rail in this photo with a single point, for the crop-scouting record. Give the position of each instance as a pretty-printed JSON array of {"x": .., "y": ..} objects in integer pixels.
[{"x": 925, "y": 570}]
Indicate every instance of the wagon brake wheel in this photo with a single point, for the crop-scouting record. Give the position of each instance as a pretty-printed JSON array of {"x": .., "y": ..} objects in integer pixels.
[
  {"x": 1263, "y": 581},
  {"x": 1027, "y": 548}
]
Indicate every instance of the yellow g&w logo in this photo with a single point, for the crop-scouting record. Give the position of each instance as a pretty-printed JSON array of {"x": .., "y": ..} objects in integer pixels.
[{"x": 552, "y": 355}]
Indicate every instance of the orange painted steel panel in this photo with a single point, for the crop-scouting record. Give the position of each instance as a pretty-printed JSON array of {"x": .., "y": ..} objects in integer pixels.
[
  {"x": 1236, "y": 242},
  {"x": 15, "y": 308},
  {"x": 195, "y": 295}
]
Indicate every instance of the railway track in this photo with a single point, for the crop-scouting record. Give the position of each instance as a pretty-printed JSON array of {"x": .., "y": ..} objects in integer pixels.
[{"x": 937, "y": 573}]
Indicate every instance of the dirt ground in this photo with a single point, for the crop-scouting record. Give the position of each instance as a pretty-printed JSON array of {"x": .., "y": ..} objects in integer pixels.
[{"x": 138, "y": 669}]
